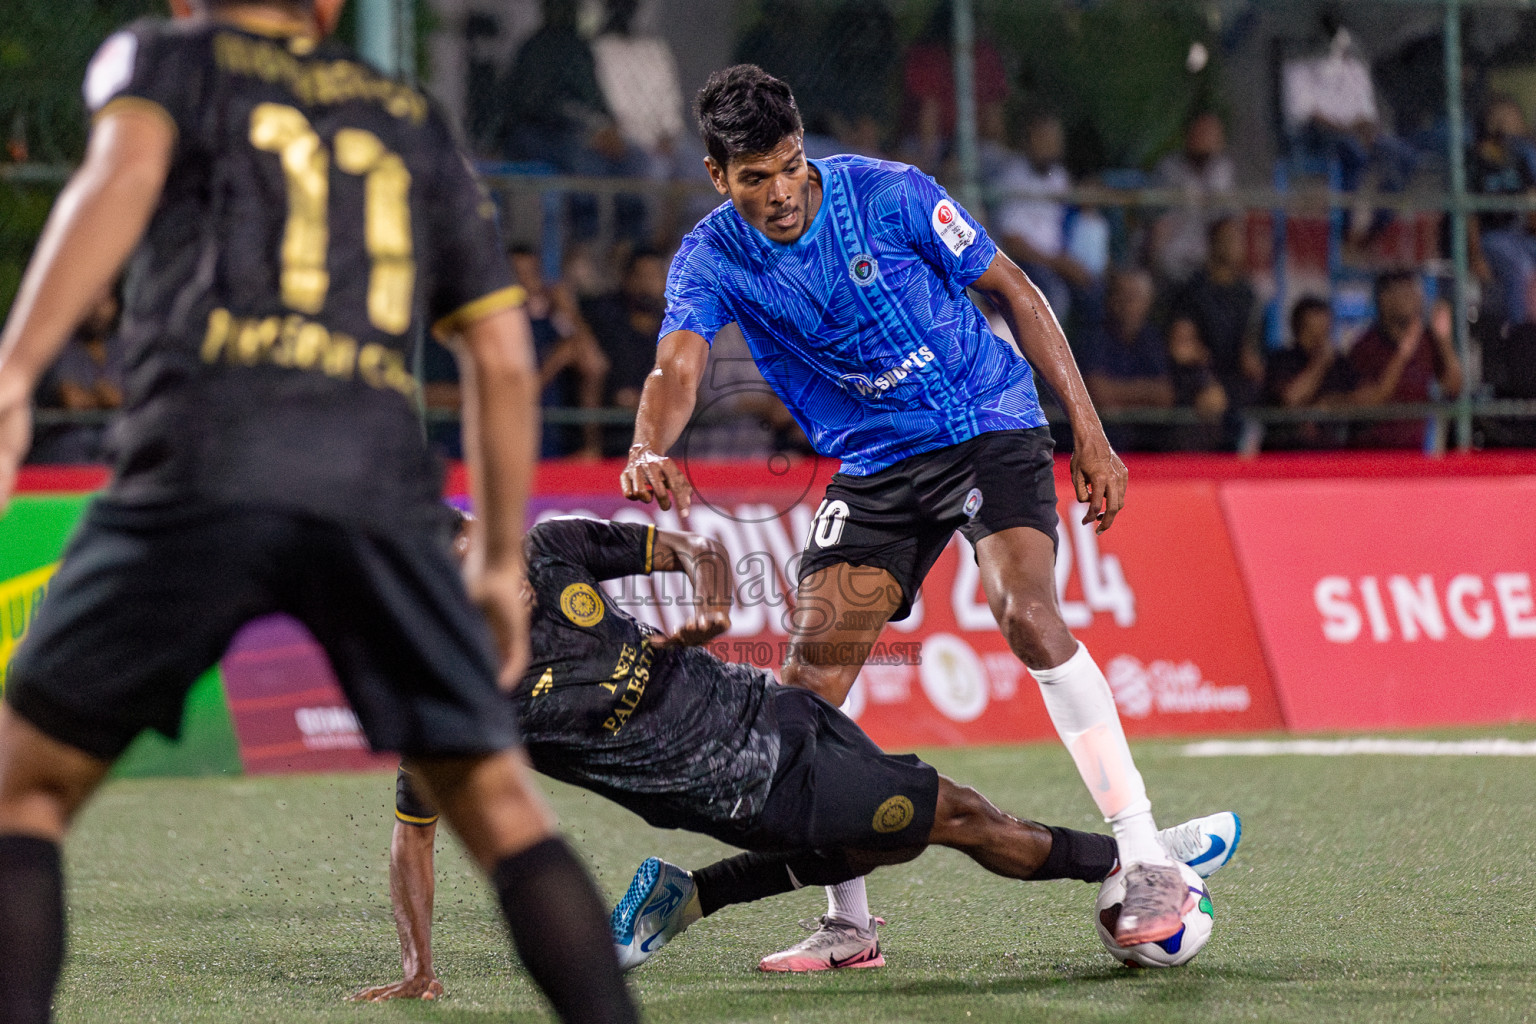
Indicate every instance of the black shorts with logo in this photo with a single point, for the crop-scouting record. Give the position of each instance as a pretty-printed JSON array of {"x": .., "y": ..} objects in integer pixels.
[
  {"x": 145, "y": 601},
  {"x": 901, "y": 518},
  {"x": 835, "y": 790}
]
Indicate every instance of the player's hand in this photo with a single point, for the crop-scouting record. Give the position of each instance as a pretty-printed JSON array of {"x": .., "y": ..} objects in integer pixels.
[
  {"x": 421, "y": 986},
  {"x": 15, "y": 439},
  {"x": 502, "y": 595},
  {"x": 649, "y": 474},
  {"x": 1099, "y": 477},
  {"x": 700, "y": 629}
]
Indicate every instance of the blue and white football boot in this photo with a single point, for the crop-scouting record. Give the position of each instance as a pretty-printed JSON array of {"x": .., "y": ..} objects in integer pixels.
[
  {"x": 1205, "y": 844},
  {"x": 652, "y": 912}
]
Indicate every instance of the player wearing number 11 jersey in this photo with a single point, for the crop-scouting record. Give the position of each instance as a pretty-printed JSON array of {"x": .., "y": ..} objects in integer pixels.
[{"x": 289, "y": 217}]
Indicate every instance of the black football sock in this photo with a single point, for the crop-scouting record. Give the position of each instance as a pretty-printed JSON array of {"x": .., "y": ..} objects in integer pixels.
[
  {"x": 561, "y": 933},
  {"x": 752, "y": 876},
  {"x": 31, "y": 927},
  {"x": 1086, "y": 856}
]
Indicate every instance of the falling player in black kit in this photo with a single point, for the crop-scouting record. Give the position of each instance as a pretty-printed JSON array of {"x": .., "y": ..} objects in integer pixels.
[
  {"x": 291, "y": 217},
  {"x": 663, "y": 727}
]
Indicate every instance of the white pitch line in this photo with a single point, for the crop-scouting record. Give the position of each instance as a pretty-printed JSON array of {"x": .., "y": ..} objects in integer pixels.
[{"x": 1364, "y": 745}]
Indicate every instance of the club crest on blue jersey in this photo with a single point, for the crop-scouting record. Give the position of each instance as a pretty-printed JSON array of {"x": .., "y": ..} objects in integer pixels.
[{"x": 863, "y": 268}]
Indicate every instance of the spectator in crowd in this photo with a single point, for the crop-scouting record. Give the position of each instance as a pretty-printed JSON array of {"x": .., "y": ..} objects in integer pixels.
[
  {"x": 1030, "y": 218},
  {"x": 1403, "y": 358},
  {"x": 1124, "y": 359},
  {"x": 1502, "y": 245},
  {"x": 928, "y": 85},
  {"x": 626, "y": 324},
  {"x": 572, "y": 367},
  {"x": 87, "y": 377},
  {"x": 776, "y": 43},
  {"x": 1204, "y": 173},
  {"x": 1310, "y": 373},
  {"x": 1213, "y": 336},
  {"x": 737, "y": 414},
  {"x": 861, "y": 55},
  {"x": 555, "y": 112},
  {"x": 1330, "y": 110},
  {"x": 638, "y": 76}
]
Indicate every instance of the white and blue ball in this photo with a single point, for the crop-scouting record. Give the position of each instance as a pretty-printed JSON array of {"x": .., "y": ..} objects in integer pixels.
[{"x": 1178, "y": 949}]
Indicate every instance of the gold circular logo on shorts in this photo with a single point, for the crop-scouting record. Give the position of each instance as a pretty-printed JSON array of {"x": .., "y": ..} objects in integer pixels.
[
  {"x": 581, "y": 605},
  {"x": 894, "y": 815}
]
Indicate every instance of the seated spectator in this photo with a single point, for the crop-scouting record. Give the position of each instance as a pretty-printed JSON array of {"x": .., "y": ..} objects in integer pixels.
[
  {"x": 1030, "y": 219},
  {"x": 1330, "y": 110},
  {"x": 737, "y": 415},
  {"x": 1213, "y": 336},
  {"x": 572, "y": 367},
  {"x": 638, "y": 75},
  {"x": 554, "y": 112},
  {"x": 928, "y": 89},
  {"x": 1203, "y": 172},
  {"x": 1124, "y": 359},
  {"x": 88, "y": 376},
  {"x": 1310, "y": 373},
  {"x": 1502, "y": 245},
  {"x": 1401, "y": 358},
  {"x": 627, "y": 324}
]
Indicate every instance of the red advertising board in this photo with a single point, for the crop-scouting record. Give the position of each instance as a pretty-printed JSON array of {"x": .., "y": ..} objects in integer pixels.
[
  {"x": 1158, "y": 601},
  {"x": 1393, "y": 603}
]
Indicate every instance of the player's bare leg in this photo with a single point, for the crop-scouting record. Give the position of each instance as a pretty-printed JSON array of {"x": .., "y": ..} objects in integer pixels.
[
  {"x": 839, "y": 613},
  {"x": 1017, "y": 574},
  {"x": 411, "y": 890},
  {"x": 552, "y": 908},
  {"x": 43, "y": 783}
]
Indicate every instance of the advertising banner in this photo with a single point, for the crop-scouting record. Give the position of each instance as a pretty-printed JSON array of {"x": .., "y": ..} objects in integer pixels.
[
  {"x": 1393, "y": 603},
  {"x": 33, "y": 533},
  {"x": 1157, "y": 600}
]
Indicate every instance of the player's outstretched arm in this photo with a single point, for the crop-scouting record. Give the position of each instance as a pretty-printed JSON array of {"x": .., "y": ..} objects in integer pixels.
[
  {"x": 666, "y": 403},
  {"x": 501, "y": 436},
  {"x": 1098, "y": 475},
  {"x": 412, "y": 887},
  {"x": 97, "y": 221},
  {"x": 707, "y": 565}
]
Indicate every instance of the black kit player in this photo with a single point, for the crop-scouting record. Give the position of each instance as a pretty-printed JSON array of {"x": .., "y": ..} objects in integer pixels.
[
  {"x": 289, "y": 217},
  {"x": 848, "y": 278},
  {"x": 665, "y": 728}
]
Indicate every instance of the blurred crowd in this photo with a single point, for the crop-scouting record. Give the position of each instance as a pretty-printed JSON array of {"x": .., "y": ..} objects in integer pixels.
[{"x": 1173, "y": 308}]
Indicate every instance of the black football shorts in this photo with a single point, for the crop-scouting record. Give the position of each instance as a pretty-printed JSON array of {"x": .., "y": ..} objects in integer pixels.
[
  {"x": 144, "y": 602},
  {"x": 835, "y": 790},
  {"x": 901, "y": 518}
]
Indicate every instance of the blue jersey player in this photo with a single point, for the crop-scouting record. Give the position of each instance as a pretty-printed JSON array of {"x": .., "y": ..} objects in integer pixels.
[{"x": 848, "y": 278}]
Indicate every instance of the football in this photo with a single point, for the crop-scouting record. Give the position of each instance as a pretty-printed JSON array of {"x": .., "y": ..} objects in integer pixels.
[{"x": 1180, "y": 948}]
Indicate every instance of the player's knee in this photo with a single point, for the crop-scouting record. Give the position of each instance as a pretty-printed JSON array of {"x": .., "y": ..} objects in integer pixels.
[
  {"x": 829, "y": 682},
  {"x": 1035, "y": 631},
  {"x": 411, "y": 804},
  {"x": 962, "y": 813}
]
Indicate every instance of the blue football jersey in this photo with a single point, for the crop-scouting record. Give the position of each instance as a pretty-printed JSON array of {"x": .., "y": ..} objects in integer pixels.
[{"x": 862, "y": 325}]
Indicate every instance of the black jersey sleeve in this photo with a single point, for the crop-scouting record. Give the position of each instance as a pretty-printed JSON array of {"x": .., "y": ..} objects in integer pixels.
[
  {"x": 468, "y": 273},
  {"x": 152, "y": 66},
  {"x": 605, "y": 549}
]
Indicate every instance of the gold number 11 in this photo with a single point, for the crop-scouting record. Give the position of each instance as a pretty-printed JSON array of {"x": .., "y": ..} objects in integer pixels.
[{"x": 277, "y": 128}]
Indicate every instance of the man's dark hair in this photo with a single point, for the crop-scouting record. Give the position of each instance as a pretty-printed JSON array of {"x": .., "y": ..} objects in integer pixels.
[
  {"x": 744, "y": 111},
  {"x": 1305, "y": 307},
  {"x": 1390, "y": 279},
  {"x": 520, "y": 249}
]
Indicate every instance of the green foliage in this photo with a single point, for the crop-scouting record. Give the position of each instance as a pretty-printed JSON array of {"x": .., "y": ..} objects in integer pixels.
[{"x": 1115, "y": 70}]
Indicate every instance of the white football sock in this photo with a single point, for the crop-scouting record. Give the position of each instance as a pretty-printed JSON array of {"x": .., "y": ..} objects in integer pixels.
[
  {"x": 1080, "y": 704},
  {"x": 848, "y": 903}
]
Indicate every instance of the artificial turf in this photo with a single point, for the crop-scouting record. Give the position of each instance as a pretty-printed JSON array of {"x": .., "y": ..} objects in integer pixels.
[{"x": 1367, "y": 888}]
